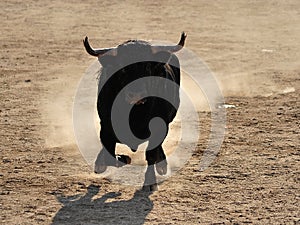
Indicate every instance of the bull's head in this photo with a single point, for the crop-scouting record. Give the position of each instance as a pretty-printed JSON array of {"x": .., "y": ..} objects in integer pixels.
[
  {"x": 124, "y": 56},
  {"x": 114, "y": 51}
]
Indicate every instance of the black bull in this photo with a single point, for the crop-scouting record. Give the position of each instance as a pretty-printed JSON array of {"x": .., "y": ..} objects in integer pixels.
[{"x": 138, "y": 83}]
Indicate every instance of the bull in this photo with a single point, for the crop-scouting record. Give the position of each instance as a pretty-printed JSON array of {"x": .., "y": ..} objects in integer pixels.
[{"x": 138, "y": 83}]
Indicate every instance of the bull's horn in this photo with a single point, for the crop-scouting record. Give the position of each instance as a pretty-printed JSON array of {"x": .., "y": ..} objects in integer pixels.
[
  {"x": 173, "y": 48},
  {"x": 96, "y": 52}
]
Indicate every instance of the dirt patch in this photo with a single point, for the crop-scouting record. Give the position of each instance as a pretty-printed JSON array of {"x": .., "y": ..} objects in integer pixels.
[{"x": 253, "y": 49}]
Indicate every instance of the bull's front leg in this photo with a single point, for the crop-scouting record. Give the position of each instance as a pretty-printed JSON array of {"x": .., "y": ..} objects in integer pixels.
[{"x": 107, "y": 155}]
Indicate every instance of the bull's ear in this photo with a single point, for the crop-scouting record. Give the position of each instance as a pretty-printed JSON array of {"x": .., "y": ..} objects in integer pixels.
[{"x": 162, "y": 56}]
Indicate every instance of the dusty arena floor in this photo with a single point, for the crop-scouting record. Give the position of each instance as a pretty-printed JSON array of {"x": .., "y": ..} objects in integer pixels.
[{"x": 253, "y": 49}]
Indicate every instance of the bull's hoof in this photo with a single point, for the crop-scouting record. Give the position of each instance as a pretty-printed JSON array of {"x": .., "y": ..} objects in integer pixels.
[
  {"x": 102, "y": 162},
  {"x": 162, "y": 167},
  {"x": 150, "y": 188},
  {"x": 100, "y": 165},
  {"x": 122, "y": 160},
  {"x": 100, "y": 168}
]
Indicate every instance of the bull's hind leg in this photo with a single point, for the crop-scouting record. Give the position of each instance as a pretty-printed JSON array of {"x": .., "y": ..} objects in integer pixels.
[
  {"x": 155, "y": 157},
  {"x": 150, "y": 178},
  {"x": 161, "y": 164}
]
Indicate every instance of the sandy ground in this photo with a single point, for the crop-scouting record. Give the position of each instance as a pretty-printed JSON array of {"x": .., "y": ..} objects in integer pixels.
[{"x": 252, "y": 47}]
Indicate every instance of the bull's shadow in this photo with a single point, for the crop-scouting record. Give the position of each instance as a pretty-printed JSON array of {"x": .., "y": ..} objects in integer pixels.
[{"x": 104, "y": 210}]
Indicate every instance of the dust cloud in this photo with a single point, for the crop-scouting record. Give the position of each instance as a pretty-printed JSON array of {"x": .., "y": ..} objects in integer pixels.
[{"x": 57, "y": 108}]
